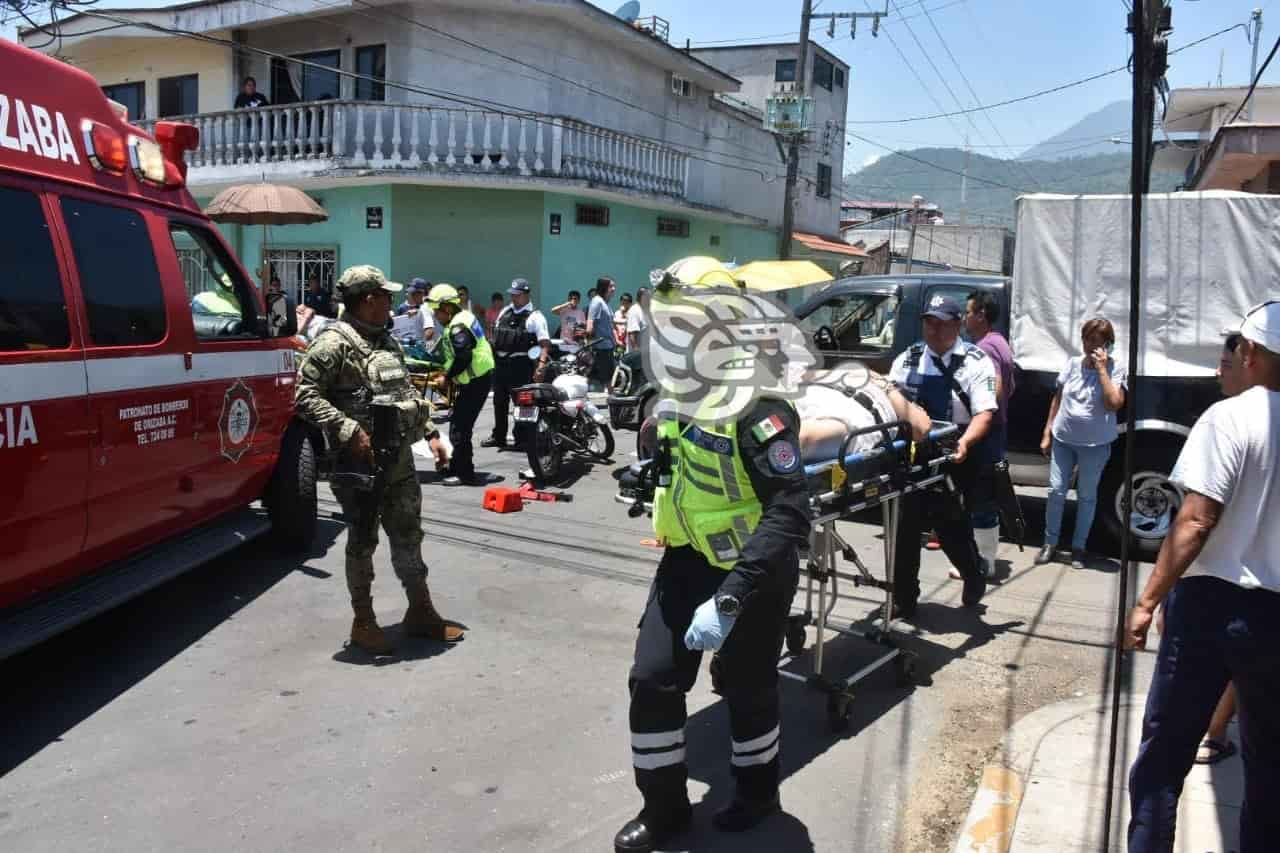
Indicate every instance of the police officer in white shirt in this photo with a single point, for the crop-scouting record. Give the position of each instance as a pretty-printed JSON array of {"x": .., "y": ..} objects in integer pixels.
[
  {"x": 521, "y": 349},
  {"x": 1218, "y": 574},
  {"x": 952, "y": 380}
]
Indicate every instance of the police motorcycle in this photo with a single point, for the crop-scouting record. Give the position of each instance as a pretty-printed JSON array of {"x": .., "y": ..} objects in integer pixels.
[{"x": 564, "y": 420}]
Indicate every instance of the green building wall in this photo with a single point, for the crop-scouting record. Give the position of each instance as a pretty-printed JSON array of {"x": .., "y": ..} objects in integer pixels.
[{"x": 483, "y": 238}]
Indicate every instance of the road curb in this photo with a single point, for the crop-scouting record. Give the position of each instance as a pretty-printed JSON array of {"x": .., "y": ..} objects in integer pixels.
[{"x": 988, "y": 828}]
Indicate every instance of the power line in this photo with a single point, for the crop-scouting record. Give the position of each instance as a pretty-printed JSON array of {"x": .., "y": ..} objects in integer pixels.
[
  {"x": 445, "y": 95},
  {"x": 1041, "y": 93},
  {"x": 1254, "y": 84},
  {"x": 972, "y": 92}
]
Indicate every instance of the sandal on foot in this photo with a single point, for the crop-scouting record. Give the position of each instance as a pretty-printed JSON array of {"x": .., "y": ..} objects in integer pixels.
[{"x": 1212, "y": 751}]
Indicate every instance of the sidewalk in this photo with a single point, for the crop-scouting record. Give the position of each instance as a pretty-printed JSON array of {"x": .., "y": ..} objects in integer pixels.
[{"x": 1045, "y": 789}]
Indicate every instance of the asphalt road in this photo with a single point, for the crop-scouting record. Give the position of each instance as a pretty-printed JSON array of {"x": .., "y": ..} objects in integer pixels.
[{"x": 223, "y": 711}]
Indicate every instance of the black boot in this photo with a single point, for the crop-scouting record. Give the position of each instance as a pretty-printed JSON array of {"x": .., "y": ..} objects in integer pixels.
[
  {"x": 742, "y": 814},
  {"x": 975, "y": 586},
  {"x": 649, "y": 828}
]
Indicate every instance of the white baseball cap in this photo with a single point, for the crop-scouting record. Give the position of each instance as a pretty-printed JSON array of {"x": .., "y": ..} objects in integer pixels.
[{"x": 1261, "y": 325}]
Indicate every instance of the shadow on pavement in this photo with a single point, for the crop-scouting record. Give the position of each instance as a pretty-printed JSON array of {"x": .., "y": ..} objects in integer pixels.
[
  {"x": 806, "y": 730},
  {"x": 783, "y": 833},
  {"x": 51, "y": 688}
]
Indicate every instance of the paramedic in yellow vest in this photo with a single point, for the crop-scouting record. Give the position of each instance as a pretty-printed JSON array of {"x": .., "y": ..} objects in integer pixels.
[
  {"x": 468, "y": 361},
  {"x": 731, "y": 510},
  {"x": 221, "y": 301}
]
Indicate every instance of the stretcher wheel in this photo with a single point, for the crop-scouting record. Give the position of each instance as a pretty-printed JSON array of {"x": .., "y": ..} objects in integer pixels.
[
  {"x": 904, "y": 669},
  {"x": 795, "y": 635},
  {"x": 839, "y": 711}
]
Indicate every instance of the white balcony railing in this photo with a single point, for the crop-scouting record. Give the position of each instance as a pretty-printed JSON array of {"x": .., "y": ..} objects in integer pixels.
[{"x": 375, "y": 135}]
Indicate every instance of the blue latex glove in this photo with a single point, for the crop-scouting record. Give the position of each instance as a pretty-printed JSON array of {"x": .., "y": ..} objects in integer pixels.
[{"x": 709, "y": 628}]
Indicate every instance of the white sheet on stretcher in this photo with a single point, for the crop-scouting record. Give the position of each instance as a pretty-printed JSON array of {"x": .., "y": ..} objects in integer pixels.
[{"x": 824, "y": 403}]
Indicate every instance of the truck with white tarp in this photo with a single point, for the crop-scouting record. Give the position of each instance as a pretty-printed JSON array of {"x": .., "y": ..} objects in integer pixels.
[{"x": 1207, "y": 257}]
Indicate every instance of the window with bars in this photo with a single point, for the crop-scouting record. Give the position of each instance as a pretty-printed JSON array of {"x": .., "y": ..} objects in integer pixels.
[
  {"x": 592, "y": 214},
  {"x": 669, "y": 227},
  {"x": 293, "y": 266}
]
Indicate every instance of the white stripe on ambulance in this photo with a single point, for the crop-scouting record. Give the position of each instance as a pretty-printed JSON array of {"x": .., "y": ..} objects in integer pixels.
[
  {"x": 29, "y": 383},
  {"x": 40, "y": 137}
]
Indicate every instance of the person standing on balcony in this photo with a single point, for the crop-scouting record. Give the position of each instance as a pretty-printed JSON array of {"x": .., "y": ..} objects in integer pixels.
[{"x": 249, "y": 96}]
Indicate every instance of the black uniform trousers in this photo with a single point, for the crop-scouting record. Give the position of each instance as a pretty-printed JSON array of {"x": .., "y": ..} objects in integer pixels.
[
  {"x": 744, "y": 671},
  {"x": 467, "y": 405},
  {"x": 509, "y": 372},
  {"x": 946, "y": 515}
]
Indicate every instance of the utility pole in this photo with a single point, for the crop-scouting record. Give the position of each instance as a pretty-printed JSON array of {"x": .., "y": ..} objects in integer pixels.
[
  {"x": 1150, "y": 23},
  {"x": 793, "y": 147},
  {"x": 801, "y": 84},
  {"x": 964, "y": 181},
  {"x": 1256, "y": 30},
  {"x": 915, "y": 223}
]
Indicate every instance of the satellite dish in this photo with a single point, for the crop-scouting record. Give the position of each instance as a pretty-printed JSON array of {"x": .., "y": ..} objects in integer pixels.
[{"x": 629, "y": 11}]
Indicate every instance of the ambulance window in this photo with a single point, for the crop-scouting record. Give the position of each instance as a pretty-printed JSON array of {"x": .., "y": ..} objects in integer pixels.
[
  {"x": 33, "y": 311},
  {"x": 118, "y": 276},
  {"x": 222, "y": 302}
]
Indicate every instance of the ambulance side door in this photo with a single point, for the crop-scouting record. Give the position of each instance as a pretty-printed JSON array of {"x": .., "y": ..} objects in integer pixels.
[
  {"x": 138, "y": 389},
  {"x": 241, "y": 380},
  {"x": 44, "y": 409}
]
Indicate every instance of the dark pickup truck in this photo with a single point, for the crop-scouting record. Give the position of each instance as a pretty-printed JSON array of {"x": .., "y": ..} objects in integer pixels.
[{"x": 874, "y": 318}]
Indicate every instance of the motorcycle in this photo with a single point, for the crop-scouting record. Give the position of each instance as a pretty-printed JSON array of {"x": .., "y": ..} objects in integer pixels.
[{"x": 564, "y": 420}]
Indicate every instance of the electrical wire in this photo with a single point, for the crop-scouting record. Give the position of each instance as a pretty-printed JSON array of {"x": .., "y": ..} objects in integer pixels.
[
  {"x": 1041, "y": 93},
  {"x": 1254, "y": 84},
  {"x": 453, "y": 97}
]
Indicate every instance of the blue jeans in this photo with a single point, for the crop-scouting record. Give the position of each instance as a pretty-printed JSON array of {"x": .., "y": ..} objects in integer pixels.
[
  {"x": 1062, "y": 460},
  {"x": 1215, "y": 632}
]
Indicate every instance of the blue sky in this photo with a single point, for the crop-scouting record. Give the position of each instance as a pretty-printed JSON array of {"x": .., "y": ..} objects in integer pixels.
[{"x": 1005, "y": 48}]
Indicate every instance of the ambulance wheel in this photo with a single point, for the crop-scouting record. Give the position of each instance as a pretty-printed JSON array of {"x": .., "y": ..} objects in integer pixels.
[
  {"x": 839, "y": 711},
  {"x": 795, "y": 635},
  {"x": 904, "y": 669},
  {"x": 291, "y": 494}
]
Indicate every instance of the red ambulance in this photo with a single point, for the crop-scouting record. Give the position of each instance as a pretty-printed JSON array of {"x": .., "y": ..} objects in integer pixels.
[{"x": 138, "y": 428}]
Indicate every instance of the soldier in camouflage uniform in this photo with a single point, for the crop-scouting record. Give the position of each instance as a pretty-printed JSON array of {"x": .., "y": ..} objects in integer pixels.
[{"x": 352, "y": 361}]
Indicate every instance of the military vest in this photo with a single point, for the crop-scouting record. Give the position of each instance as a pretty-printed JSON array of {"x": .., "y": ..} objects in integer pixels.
[
  {"x": 481, "y": 357},
  {"x": 709, "y": 503},
  {"x": 370, "y": 372}
]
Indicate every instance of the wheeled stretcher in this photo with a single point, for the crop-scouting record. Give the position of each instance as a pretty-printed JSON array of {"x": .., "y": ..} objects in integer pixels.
[{"x": 839, "y": 489}]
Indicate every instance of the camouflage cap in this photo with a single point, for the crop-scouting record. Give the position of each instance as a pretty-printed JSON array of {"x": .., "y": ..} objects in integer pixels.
[{"x": 362, "y": 279}]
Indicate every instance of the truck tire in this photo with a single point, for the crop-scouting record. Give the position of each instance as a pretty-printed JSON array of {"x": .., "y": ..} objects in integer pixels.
[
  {"x": 291, "y": 494},
  {"x": 1156, "y": 501}
]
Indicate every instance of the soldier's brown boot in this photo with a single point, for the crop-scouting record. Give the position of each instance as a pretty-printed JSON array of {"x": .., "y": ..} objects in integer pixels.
[
  {"x": 422, "y": 620},
  {"x": 367, "y": 636}
]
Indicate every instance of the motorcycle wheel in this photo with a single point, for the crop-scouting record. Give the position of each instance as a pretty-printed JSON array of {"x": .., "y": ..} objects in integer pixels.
[
  {"x": 545, "y": 455},
  {"x": 599, "y": 442}
]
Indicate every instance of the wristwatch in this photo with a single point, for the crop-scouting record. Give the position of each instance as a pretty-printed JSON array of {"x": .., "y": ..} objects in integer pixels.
[{"x": 728, "y": 605}]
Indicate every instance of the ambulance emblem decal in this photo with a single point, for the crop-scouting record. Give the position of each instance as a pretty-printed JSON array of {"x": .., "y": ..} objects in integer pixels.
[{"x": 238, "y": 421}]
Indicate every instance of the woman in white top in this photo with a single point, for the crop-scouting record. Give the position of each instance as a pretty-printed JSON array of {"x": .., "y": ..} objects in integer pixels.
[{"x": 1078, "y": 435}]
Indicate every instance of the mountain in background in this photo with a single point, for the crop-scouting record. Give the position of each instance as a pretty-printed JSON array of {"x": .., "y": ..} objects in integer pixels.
[
  {"x": 1088, "y": 136},
  {"x": 993, "y": 183}
]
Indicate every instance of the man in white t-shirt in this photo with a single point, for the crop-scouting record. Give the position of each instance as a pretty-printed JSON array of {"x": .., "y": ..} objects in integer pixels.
[
  {"x": 637, "y": 322},
  {"x": 1219, "y": 576}
]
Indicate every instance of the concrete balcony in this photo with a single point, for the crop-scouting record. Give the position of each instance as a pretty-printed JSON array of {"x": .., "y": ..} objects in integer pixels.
[{"x": 322, "y": 140}]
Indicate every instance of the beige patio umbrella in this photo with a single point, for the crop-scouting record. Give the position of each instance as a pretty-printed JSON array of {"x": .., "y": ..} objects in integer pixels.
[{"x": 265, "y": 204}]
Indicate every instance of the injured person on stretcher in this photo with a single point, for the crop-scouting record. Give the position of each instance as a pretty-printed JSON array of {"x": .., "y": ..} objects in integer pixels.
[{"x": 841, "y": 402}]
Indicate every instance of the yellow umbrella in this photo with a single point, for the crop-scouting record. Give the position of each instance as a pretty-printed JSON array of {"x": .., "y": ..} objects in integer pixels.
[
  {"x": 768, "y": 276},
  {"x": 760, "y": 276}
]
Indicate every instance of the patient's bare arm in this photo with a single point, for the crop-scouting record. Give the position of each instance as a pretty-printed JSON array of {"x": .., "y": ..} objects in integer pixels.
[{"x": 911, "y": 413}]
